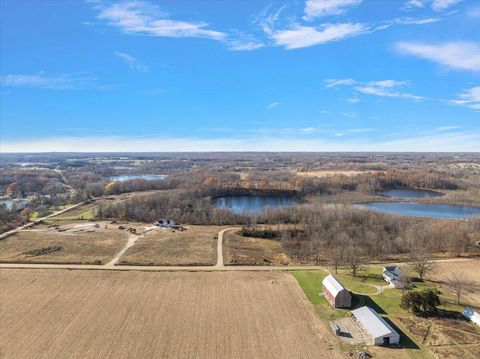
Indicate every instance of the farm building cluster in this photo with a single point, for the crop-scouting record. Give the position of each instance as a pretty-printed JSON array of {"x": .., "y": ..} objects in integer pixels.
[{"x": 365, "y": 325}]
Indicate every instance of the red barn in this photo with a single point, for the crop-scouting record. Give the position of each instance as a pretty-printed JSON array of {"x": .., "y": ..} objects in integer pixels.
[{"x": 336, "y": 293}]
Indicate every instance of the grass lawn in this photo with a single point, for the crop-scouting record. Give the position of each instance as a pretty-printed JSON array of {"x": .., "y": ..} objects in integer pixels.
[{"x": 386, "y": 304}]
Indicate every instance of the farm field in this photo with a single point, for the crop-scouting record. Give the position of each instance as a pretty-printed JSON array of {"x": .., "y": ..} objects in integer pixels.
[
  {"x": 70, "y": 243},
  {"x": 239, "y": 250},
  {"x": 471, "y": 269},
  {"x": 110, "y": 314},
  {"x": 163, "y": 246}
]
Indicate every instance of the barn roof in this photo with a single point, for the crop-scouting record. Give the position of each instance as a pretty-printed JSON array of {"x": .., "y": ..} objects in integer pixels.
[
  {"x": 333, "y": 285},
  {"x": 373, "y": 323}
]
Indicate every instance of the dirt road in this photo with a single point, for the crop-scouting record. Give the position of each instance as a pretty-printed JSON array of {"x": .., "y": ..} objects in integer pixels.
[
  {"x": 28, "y": 225},
  {"x": 130, "y": 242},
  {"x": 220, "y": 263}
]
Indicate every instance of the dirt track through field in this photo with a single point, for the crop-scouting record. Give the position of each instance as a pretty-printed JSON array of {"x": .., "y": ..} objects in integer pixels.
[
  {"x": 110, "y": 314},
  {"x": 130, "y": 242}
]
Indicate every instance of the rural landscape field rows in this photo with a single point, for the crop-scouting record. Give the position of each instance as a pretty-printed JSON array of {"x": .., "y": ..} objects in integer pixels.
[{"x": 110, "y": 314}]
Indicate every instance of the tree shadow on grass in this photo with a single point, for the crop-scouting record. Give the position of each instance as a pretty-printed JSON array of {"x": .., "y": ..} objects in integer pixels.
[{"x": 360, "y": 300}]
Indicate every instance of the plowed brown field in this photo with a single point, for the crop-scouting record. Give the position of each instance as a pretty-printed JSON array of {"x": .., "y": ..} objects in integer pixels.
[{"x": 109, "y": 314}]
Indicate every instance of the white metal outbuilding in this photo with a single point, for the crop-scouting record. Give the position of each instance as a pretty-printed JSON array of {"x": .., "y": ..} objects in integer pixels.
[
  {"x": 472, "y": 315},
  {"x": 379, "y": 330}
]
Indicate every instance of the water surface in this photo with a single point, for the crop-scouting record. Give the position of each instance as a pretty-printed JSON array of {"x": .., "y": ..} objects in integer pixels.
[
  {"x": 252, "y": 204},
  {"x": 408, "y": 193},
  {"x": 413, "y": 209},
  {"x": 20, "y": 204},
  {"x": 124, "y": 178}
]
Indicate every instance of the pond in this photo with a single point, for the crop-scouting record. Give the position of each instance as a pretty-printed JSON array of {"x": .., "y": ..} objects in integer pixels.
[
  {"x": 408, "y": 193},
  {"x": 423, "y": 210},
  {"x": 19, "y": 204},
  {"x": 252, "y": 204},
  {"x": 124, "y": 178}
]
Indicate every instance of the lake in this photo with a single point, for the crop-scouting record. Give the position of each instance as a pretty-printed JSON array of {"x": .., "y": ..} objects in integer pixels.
[
  {"x": 423, "y": 210},
  {"x": 408, "y": 193},
  {"x": 252, "y": 204},
  {"x": 124, "y": 178}
]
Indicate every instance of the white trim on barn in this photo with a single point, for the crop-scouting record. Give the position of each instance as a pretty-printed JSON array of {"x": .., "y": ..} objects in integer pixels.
[
  {"x": 380, "y": 331},
  {"x": 337, "y": 295}
]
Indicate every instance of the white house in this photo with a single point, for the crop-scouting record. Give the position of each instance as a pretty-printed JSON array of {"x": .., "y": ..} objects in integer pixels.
[
  {"x": 392, "y": 276},
  {"x": 469, "y": 313},
  {"x": 377, "y": 328},
  {"x": 336, "y": 293},
  {"x": 165, "y": 223}
]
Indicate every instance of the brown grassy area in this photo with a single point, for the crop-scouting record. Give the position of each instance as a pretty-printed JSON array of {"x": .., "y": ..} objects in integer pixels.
[
  {"x": 446, "y": 338},
  {"x": 327, "y": 173},
  {"x": 112, "y": 314},
  {"x": 195, "y": 246},
  {"x": 239, "y": 250},
  {"x": 471, "y": 268},
  {"x": 47, "y": 245}
]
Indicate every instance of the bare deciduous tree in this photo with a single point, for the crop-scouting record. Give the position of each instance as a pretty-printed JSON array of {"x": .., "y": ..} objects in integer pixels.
[
  {"x": 458, "y": 283},
  {"x": 423, "y": 265},
  {"x": 355, "y": 258}
]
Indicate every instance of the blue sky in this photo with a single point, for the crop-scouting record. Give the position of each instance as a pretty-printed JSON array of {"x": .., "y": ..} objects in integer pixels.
[{"x": 306, "y": 75}]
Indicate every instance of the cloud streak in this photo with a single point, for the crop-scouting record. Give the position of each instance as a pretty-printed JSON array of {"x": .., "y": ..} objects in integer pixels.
[
  {"x": 52, "y": 82},
  {"x": 455, "y": 55},
  {"x": 131, "y": 61},
  {"x": 305, "y": 36},
  {"x": 317, "y": 8},
  {"x": 469, "y": 98},
  {"x": 138, "y": 17},
  {"x": 383, "y": 88}
]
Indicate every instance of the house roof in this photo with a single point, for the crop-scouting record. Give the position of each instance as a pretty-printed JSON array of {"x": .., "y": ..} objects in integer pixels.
[
  {"x": 333, "y": 285},
  {"x": 390, "y": 275},
  {"x": 373, "y": 323}
]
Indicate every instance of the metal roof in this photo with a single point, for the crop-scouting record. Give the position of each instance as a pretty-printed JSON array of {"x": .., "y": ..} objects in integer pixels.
[
  {"x": 333, "y": 285},
  {"x": 373, "y": 323}
]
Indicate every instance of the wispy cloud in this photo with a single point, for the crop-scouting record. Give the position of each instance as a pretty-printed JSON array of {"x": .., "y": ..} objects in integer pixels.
[
  {"x": 386, "y": 88},
  {"x": 317, "y": 8},
  {"x": 131, "y": 61},
  {"x": 440, "y": 5},
  {"x": 469, "y": 98},
  {"x": 353, "y": 100},
  {"x": 448, "y": 128},
  {"x": 337, "y": 82},
  {"x": 304, "y": 36},
  {"x": 53, "y": 82},
  {"x": 456, "y": 55},
  {"x": 138, "y": 17},
  {"x": 415, "y": 3},
  {"x": 383, "y": 88},
  {"x": 273, "y": 105},
  {"x": 437, "y": 5}
]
